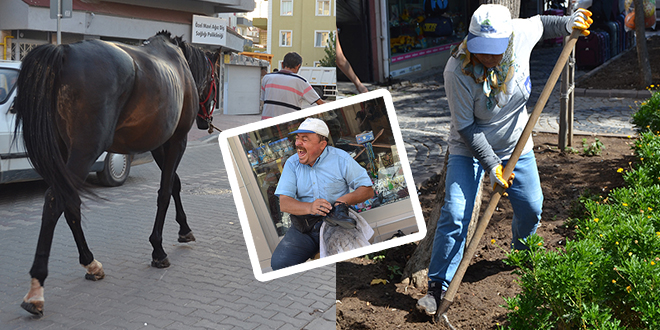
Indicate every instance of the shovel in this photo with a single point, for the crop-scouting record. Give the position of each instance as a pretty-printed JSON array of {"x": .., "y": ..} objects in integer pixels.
[{"x": 508, "y": 169}]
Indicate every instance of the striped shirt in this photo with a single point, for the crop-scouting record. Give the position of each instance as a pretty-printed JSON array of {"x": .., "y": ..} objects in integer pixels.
[{"x": 284, "y": 91}]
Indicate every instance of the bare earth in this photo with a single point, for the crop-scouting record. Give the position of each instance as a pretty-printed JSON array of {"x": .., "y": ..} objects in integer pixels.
[
  {"x": 564, "y": 177},
  {"x": 623, "y": 72},
  {"x": 478, "y": 305}
]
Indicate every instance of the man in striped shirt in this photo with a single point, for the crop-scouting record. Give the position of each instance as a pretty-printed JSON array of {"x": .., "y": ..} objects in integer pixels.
[{"x": 285, "y": 91}]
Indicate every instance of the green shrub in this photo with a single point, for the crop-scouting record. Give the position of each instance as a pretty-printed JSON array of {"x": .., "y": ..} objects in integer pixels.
[
  {"x": 609, "y": 277},
  {"x": 646, "y": 150},
  {"x": 647, "y": 117},
  {"x": 593, "y": 149}
]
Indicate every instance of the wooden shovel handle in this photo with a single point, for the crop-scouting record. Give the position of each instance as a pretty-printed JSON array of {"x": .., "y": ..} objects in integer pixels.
[{"x": 508, "y": 169}]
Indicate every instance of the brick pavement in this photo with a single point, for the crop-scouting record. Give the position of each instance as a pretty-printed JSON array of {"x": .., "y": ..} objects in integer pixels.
[{"x": 210, "y": 284}]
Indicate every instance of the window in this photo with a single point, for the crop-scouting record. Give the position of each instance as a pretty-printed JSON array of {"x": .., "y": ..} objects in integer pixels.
[
  {"x": 322, "y": 7},
  {"x": 285, "y": 38},
  {"x": 317, "y": 64},
  {"x": 321, "y": 38},
  {"x": 286, "y": 7}
]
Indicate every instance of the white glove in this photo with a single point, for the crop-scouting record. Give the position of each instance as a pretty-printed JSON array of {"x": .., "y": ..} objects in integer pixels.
[
  {"x": 580, "y": 20},
  {"x": 496, "y": 177}
]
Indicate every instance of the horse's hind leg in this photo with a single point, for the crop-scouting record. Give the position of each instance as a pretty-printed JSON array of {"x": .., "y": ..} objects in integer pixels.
[
  {"x": 94, "y": 268},
  {"x": 33, "y": 301}
]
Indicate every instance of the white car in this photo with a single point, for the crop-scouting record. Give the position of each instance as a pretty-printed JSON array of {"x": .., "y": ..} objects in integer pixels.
[{"x": 111, "y": 169}]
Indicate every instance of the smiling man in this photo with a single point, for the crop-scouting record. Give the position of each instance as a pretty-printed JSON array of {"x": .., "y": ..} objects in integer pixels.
[{"x": 317, "y": 183}]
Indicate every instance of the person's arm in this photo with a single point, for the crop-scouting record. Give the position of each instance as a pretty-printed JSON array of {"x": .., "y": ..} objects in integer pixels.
[
  {"x": 296, "y": 207},
  {"x": 560, "y": 26},
  {"x": 345, "y": 67},
  {"x": 319, "y": 102},
  {"x": 461, "y": 104},
  {"x": 358, "y": 195}
]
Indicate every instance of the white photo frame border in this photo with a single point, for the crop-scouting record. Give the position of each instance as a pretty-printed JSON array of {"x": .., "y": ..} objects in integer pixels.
[{"x": 228, "y": 160}]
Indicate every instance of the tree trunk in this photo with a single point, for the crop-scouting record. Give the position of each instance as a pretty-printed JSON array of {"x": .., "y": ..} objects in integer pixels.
[
  {"x": 416, "y": 271},
  {"x": 513, "y": 5},
  {"x": 642, "y": 52}
]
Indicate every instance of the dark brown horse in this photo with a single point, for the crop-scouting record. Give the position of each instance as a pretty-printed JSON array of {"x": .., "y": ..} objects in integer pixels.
[{"x": 77, "y": 100}]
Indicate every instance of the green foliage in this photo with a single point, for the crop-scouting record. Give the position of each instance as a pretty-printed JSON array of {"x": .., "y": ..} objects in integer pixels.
[
  {"x": 647, "y": 117},
  {"x": 395, "y": 271},
  {"x": 593, "y": 149},
  {"x": 609, "y": 277},
  {"x": 376, "y": 257},
  {"x": 648, "y": 170},
  {"x": 330, "y": 58}
]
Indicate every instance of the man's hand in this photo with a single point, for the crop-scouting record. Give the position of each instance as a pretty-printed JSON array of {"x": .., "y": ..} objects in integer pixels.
[
  {"x": 496, "y": 177},
  {"x": 580, "y": 20},
  {"x": 320, "y": 207}
]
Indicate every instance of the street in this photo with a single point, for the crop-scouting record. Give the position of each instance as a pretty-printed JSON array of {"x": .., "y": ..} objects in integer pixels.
[{"x": 210, "y": 283}]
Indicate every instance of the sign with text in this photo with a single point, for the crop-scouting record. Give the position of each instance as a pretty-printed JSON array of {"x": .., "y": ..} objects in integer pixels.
[
  {"x": 209, "y": 30},
  {"x": 66, "y": 8}
]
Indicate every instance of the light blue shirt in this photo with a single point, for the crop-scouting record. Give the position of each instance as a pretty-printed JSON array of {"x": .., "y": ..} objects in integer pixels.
[{"x": 331, "y": 176}]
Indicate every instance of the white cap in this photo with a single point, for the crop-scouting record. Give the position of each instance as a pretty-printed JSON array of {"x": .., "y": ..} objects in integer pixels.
[
  {"x": 313, "y": 125},
  {"x": 490, "y": 29}
]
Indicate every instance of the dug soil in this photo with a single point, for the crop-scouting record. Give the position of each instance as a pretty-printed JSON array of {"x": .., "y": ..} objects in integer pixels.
[
  {"x": 478, "y": 304},
  {"x": 622, "y": 72}
]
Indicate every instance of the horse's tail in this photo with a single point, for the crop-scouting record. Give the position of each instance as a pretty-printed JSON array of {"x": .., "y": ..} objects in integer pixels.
[{"x": 36, "y": 110}]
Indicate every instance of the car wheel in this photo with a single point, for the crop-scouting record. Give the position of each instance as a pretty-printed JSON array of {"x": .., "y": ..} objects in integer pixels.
[{"x": 116, "y": 168}]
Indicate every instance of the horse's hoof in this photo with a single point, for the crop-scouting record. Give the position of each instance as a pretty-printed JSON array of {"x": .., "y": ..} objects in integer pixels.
[
  {"x": 189, "y": 237},
  {"x": 33, "y": 308},
  {"x": 94, "y": 277},
  {"x": 94, "y": 271},
  {"x": 160, "y": 264}
]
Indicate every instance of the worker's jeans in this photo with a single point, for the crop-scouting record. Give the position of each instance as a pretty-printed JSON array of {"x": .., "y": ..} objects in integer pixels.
[
  {"x": 464, "y": 175},
  {"x": 296, "y": 247}
]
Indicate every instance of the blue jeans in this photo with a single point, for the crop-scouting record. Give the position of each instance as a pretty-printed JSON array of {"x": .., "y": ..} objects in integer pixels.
[
  {"x": 464, "y": 175},
  {"x": 296, "y": 247}
]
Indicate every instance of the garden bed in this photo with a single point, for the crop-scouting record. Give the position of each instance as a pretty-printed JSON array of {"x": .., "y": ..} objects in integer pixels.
[{"x": 478, "y": 305}]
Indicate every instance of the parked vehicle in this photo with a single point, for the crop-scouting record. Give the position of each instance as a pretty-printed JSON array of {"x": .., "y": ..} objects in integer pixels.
[
  {"x": 322, "y": 79},
  {"x": 112, "y": 169}
]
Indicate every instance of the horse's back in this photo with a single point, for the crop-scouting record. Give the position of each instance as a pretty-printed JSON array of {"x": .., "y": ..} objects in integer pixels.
[{"x": 163, "y": 100}]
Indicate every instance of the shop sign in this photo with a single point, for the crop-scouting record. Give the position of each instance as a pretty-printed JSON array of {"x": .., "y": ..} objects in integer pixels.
[{"x": 209, "y": 30}]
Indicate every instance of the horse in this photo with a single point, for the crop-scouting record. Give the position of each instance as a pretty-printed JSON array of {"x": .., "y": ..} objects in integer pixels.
[{"x": 76, "y": 101}]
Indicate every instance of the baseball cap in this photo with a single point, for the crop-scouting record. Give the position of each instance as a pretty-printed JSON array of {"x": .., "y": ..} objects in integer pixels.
[
  {"x": 313, "y": 125},
  {"x": 490, "y": 29}
]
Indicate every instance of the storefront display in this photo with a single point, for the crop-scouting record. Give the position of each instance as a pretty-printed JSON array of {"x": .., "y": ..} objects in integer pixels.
[
  {"x": 420, "y": 27},
  {"x": 268, "y": 149}
]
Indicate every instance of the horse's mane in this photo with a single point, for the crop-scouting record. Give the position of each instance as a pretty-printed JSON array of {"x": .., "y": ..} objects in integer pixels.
[{"x": 196, "y": 58}]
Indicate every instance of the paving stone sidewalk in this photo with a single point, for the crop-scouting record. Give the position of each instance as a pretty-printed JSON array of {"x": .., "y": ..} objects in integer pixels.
[{"x": 423, "y": 112}]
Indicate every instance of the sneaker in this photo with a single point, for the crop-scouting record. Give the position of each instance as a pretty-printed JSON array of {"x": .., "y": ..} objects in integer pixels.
[
  {"x": 338, "y": 216},
  {"x": 429, "y": 303}
]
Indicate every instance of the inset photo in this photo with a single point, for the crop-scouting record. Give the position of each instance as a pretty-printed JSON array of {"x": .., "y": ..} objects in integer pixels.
[{"x": 322, "y": 185}]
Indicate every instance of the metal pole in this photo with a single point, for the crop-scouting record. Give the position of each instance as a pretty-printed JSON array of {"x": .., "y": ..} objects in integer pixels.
[{"x": 59, "y": 19}]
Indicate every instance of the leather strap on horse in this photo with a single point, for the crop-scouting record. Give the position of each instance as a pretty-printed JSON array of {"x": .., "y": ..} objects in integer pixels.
[{"x": 212, "y": 91}]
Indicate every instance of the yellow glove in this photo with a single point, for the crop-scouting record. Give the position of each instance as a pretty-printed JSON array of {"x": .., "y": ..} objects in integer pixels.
[
  {"x": 496, "y": 177},
  {"x": 580, "y": 20}
]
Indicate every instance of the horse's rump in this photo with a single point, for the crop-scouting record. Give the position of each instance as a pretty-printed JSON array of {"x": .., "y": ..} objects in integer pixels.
[{"x": 78, "y": 100}]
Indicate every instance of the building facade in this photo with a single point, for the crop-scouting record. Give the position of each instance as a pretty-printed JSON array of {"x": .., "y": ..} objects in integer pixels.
[
  {"x": 389, "y": 39},
  {"x": 301, "y": 26},
  {"x": 26, "y": 24}
]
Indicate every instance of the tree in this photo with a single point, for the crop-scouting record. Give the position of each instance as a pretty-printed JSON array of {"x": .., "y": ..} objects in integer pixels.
[
  {"x": 416, "y": 271},
  {"x": 642, "y": 52},
  {"x": 330, "y": 58}
]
